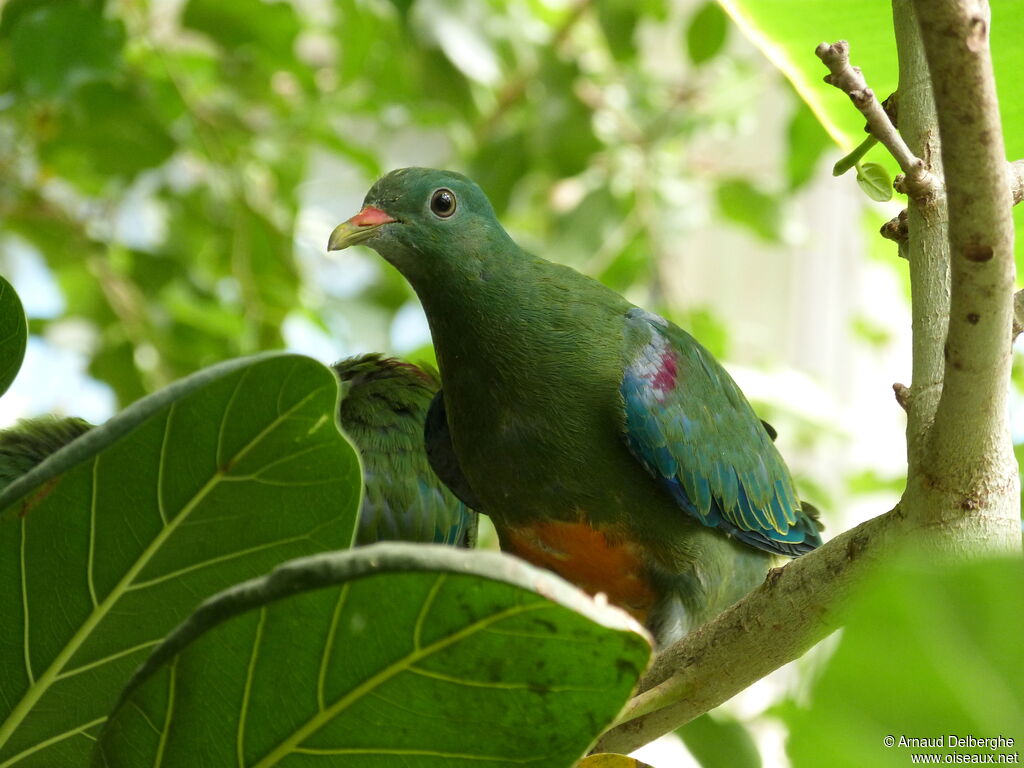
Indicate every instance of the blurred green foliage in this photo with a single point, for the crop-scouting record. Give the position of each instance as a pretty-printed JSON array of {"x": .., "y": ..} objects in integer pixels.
[
  {"x": 718, "y": 741},
  {"x": 706, "y": 32},
  {"x": 930, "y": 650},
  {"x": 161, "y": 158},
  {"x": 743, "y": 203}
]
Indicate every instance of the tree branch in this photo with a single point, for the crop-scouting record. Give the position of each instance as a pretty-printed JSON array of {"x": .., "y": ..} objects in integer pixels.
[
  {"x": 896, "y": 228},
  {"x": 793, "y": 609},
  {"x": 927, "y": 247},
  {"x": 918, "y": 181},
  {"x": 970, "y": 447}
]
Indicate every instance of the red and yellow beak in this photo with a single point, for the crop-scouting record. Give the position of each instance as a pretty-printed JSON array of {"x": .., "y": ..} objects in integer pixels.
[{"x": 358, "y": 228}]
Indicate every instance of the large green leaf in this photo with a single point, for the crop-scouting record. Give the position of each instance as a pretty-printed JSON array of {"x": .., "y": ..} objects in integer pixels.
[
  {"x": 13, "y": 334},
  {"x": 391, "y": 655},
  {"x": 929, "y": 651},
  {"x": 115, "y": 539},
  {"x": 787, "y": 32}
]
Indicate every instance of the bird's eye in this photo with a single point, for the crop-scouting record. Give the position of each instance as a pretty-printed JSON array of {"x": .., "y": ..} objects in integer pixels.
[{"x": 442, "y": 203}]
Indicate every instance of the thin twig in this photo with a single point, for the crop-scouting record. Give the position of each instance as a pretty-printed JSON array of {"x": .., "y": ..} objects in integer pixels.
[
  {"x": 902, "y": 392},
  {"x": 854, "y": 157},
  {"x": 1018, "y": 313},
  {"x": 1016, "y": 170},
  {"x": 918, "y": 181},
  {"x": 896, "y": 228}
]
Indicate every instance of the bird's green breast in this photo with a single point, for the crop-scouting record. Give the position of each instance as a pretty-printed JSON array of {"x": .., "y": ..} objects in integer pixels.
[{"x": 531, "y": 362}]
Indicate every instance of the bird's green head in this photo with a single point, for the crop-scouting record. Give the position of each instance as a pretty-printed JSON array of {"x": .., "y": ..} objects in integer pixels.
[{"x": 421, "y": 219}]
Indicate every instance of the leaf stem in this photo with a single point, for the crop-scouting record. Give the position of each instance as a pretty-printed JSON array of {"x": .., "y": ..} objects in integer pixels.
[{"x": 854, "y": 157}]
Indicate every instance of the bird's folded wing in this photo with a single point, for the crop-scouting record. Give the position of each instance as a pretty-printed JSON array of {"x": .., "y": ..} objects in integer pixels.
[
  {"x": 689, "y": 424},
  {"x": 441, "y": 454}
]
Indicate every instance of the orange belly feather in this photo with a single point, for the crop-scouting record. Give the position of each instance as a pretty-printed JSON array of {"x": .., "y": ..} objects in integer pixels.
[{"x": 586, "y": 557}]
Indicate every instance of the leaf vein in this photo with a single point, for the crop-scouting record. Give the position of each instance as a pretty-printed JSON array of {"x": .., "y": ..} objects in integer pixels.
[
  {"x": 158, "y": 758},
  {"x": 290, "y": 457},
  {"x": 24, "y": 606},
  {"x": 312, "y": 725},
  {"x": 107, "y": 659},
  {"x": 227, "y": 413},
  {"x": 417, "y": 631},
  {"x": 90, "y": 560},
  {"x": 247, "y": 692},
  {"x": 518, "y": 686},
  {"x": 160, "y": 504},
  {"x": 284, "y": 384},
  {"x": 50, "y": 742},
  {"x": 419, "y": 753},
  {"x": 329, "y": 645},
  {"x": 132, "y": 703},
  {"x": 213, "y": 561}
]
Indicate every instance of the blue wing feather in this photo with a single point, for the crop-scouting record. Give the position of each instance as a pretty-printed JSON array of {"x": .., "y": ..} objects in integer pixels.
[{"x": 691, "y": 427}]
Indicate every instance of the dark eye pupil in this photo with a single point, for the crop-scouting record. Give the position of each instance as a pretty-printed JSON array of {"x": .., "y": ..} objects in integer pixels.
[{"x": 443, "y": 203}]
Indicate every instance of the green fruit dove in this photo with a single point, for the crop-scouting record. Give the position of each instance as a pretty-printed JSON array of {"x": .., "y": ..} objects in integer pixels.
[
  {"x": 383, "y": 410},
  {"x": 605, "y": 443},
  {"x": 30, "y": 441}
]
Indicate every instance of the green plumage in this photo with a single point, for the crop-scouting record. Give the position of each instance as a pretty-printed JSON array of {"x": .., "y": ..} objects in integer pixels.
[
  {"x": 692, "y": 428},
  {"x": 568, "y": 406},
  {"x": 383, "y": 409},
  {"x": 30, "y": 441}
]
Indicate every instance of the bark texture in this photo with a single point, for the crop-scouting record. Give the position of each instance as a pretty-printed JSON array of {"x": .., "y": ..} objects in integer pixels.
[{"x": 963, "y": 480}]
